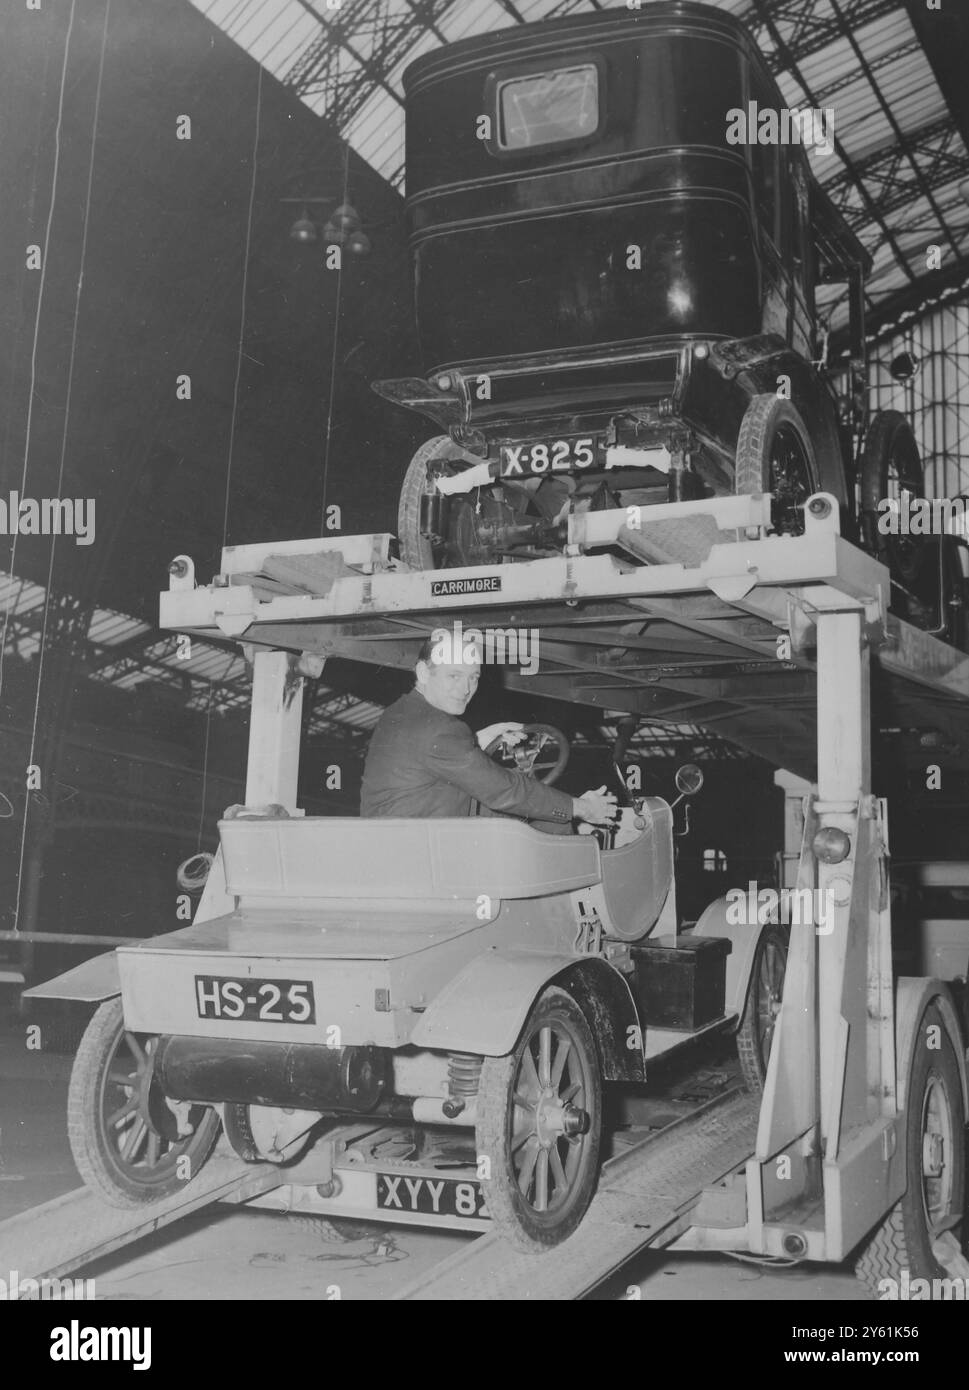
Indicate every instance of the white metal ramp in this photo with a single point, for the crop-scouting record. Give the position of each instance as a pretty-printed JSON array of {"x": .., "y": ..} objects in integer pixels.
[{"x": 74, "y": 1230}]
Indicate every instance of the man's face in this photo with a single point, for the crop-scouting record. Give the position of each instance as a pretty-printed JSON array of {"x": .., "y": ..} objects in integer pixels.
[{"x": 448, "y": 686}]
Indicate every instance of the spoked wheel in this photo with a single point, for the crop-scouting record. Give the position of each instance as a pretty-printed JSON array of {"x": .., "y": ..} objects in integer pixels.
[
  {"x": 438, "y": 532},
  {"x": 775, "y": 455},
  {"x": 891, "y": 467},
  {"x": 129, "y": 1144},
  {"x": 542, "y": 754},
  {"x": 755, "y": 1036},
  {"x": 539, "y": 1126},
  {"x": 934, "y": 1200}
]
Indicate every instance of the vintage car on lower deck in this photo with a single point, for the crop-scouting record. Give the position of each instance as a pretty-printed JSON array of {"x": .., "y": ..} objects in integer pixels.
[
  {"x": 616, "y": 304},
  {"x": 370, "y": 990}
]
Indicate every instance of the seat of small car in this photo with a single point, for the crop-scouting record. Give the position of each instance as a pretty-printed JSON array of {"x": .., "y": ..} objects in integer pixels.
[{"x": 331, "y": 857}]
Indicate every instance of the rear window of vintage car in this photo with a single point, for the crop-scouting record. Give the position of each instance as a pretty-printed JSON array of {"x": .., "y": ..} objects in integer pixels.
[{"x": 547, "y": 108}]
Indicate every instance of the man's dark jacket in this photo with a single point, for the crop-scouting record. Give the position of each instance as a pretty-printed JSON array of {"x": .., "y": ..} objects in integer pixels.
[{"x": 424, "y": 763}]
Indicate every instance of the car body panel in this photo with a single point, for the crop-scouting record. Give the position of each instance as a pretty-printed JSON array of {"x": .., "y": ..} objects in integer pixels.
[
  {"x": 633, "y": 897},
  {"x": 415, "y": 958},
  {"x": 327, "y": 857},
  {"x": 643, "y": 228},
  {"x": 510, "y": 980},
  {"x": 743, "y": 938}
]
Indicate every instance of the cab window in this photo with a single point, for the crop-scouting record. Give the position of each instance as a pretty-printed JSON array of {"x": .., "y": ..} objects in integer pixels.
[{"x": 548, "y": 108}]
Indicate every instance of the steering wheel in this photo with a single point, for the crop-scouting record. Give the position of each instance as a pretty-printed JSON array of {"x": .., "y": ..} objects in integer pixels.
[{"x": 542, "y": 753}]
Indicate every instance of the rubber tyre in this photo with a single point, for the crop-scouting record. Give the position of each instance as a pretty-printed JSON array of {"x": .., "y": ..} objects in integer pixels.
[
  {"x": 88, "y": 1098},
  {"x": 890, "y": 438},
  {"x": 903, "y": 1240},
  {"x": 766, "y": 987},
  {"x": 415, "y": 549},
  {"x": 765, "y": 417},
  {"x": 514, "y": 1218}
]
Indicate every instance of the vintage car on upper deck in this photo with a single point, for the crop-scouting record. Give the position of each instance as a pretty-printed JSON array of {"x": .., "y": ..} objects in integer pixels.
[
  {"x": 369, "y": 989},
  {"x": 616, "y": 304}
]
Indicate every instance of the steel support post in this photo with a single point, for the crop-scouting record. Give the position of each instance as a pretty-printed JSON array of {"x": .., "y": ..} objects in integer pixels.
[
  {"x": 831, "y": 1071},
  {"x": 796, "y": 790},
  {"x": 274, "y": 730},
  {"x": 844, "y": 777},
  {"x": 863, "y": 1166}
]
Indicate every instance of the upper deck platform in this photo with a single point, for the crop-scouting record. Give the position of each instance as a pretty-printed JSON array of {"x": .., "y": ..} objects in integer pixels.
[{"x": 721, "y": 637}]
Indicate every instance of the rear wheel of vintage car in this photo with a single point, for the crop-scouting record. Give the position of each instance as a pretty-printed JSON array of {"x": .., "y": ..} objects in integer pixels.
[
  {"x": 124, "y": 1137},
  {"x": 891, "y": 464},
  {"x": 421, "y": 546},
  {"x": 933, "y": 1202},
  {"x": 465, "y": 529},
  {"x": 755, "y": 1036},
  {"x": 775, "y": 454},
  {"x": 539, "y": 1126}
]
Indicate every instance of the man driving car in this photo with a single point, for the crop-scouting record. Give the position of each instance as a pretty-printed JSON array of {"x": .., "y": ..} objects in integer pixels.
[{"x": 423, "y": 760}]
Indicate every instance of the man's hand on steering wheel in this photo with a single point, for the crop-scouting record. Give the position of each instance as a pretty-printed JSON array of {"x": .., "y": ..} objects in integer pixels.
[
  {"x": 510, "y": 734},
  {"x": 596, "y": 807}
]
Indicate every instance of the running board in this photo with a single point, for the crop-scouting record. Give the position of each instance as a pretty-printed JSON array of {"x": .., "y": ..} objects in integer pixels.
[
  {"x": 75, "y": 1230},
  {"x": 642, "y": 1195}
]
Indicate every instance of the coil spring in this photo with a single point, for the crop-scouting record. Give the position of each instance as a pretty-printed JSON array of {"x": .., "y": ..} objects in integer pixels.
[{"x": 463, "y": 1075}]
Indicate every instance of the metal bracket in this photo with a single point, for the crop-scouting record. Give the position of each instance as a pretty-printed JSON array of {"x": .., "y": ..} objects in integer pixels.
[
  {"x": 311, "y": 666},
  {"x": 733, "y": 587},
  {"x": 181, "y": 574}
]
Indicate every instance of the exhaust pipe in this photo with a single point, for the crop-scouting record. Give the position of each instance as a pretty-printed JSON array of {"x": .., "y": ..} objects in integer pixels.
[{"x": 297, "y": 1075}]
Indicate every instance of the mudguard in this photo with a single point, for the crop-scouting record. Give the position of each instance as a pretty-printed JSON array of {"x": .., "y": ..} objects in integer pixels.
[
  {"x": 483, "y": 1009},
  {"x": 743, "y": 943},
  {"x": 91, "y": 982}
]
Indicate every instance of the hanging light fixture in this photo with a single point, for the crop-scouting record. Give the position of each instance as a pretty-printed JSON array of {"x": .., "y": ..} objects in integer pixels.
[
  {"x": 346, "y": 218},
  {"x": 303, "y": 229},
  {"x": 904, "y": 367},
  {"x": 342, "y": 228}
]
